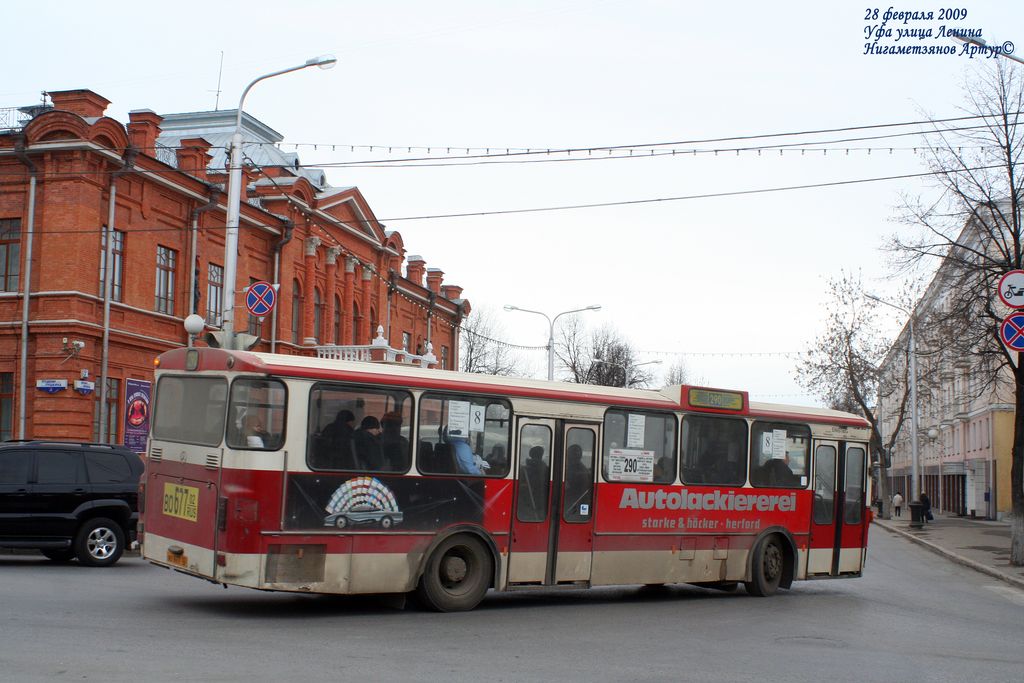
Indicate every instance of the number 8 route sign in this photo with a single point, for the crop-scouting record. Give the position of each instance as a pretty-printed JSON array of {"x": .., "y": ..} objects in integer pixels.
[
  {"x": 260, "y": 298},
  {"x": 1012, "y": 331}
]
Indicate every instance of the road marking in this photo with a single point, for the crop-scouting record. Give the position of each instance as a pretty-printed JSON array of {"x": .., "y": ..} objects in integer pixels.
[{"x": 1014, "y": 594}]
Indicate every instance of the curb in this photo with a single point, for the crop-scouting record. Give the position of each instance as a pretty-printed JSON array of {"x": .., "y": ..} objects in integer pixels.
[{"x": 959, "y": 559}]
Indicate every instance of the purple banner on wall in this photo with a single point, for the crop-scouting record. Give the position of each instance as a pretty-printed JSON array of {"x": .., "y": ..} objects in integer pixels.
[{"x": 136, "y": 414}]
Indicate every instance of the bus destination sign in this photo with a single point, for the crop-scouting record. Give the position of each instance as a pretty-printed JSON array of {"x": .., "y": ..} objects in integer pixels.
[{"x": 716, "y": 399}]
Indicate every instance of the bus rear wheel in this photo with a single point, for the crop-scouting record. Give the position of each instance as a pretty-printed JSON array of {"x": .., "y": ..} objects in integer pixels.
[
  {"x": 457, "y": 575},
  {"x": 766, "y": 569}
]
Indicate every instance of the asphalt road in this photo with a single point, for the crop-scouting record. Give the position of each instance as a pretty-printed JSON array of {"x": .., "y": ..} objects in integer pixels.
[{"x": 913, "y": 617}]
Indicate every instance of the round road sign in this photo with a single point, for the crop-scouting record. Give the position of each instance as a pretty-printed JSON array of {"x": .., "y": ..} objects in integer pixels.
[
  {"x": 1011, "y": 288},
  {"x": 260, "y": 298},
  {"x": 1011, "y": 331}
]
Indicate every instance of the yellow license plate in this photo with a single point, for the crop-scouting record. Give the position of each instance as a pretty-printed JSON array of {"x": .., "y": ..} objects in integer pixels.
[
  {"x": 177, "y": 560},
  {"x": 181, "y": 501}
]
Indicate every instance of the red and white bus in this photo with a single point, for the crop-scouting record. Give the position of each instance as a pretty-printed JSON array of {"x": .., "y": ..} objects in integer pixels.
[{"x": 290, "y": 473}]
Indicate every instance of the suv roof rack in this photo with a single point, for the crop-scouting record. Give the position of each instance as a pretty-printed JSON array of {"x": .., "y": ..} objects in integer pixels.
[{"x": 57, "y": 442}]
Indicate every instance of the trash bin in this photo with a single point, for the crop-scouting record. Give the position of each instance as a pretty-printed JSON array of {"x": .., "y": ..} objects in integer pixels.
[{"x": 916, "y": 514}]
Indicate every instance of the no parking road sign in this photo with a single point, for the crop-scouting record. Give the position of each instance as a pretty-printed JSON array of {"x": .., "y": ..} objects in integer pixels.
[
  {"x": 1011, "y": 330},
  {"x": 260, "y": 298}
]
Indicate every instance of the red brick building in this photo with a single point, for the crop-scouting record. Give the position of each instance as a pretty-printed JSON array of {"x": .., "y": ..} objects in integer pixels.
[{"x": 340, "y": 272}]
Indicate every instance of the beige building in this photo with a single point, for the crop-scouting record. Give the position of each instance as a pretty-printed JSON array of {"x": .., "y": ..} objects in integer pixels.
[{"x": 965, "y": 421}]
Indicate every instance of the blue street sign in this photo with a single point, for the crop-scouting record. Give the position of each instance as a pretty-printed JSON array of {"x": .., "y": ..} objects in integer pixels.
[
  {"x": 260, "y": 298},
  {"x": 1012, "y": 331}
]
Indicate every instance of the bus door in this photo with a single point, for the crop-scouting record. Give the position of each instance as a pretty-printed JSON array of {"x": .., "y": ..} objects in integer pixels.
[
  {"x": 837, "y": 515},
  {"x": 853, "y": 528},
  {"x": 552, "y": 523}
]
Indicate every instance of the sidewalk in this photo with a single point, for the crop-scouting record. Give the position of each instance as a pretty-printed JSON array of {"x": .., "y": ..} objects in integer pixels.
[{"x": 978, "y": 544}]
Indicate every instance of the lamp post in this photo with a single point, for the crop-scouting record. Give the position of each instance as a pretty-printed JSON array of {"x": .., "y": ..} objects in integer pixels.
[
  {"x": 915, "y": 485},
  {"x": 625, "y": 368},
  {"x": 933, "y": 435},
  {"x": 980, "y": 42},
  {"x": 235, "y": 198},
  {"x": 551, "y": 330}
]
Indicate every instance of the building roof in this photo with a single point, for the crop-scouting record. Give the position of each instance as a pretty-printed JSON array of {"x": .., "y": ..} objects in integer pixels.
[{"x": 259, "y": 142}]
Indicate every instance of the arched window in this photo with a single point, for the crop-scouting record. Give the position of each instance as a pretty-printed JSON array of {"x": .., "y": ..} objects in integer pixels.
[
  {"x": 355, "y": 323},
  {"x": 318, "y": 316},
  {"x": 373, "y": 324},
  {"x": 337, "y": 320},
  {"x": 296, "y": 312}
]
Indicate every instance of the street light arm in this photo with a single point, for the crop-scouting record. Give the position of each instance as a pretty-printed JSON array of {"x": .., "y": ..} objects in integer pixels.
[
  {"x": 575, "y": 310},
  {"x": 888, "y": 303},
  {"x": 527, "y": 310},
  {"x": 241, "y": 100},
  {"x": 980, "y": 42}
]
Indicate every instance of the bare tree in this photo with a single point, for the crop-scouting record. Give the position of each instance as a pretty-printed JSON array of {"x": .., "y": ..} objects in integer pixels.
[
  {"x": 973, "y": 233},
  {"x": 602, "y": 356},
  {"x": 841, "y": 367},
  {"x": 677, "y": 373},
  {"x": 481, "y": 349}
]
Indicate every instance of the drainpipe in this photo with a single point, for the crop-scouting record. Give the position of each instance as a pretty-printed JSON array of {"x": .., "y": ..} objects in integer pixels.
[
  {"x": 19, "y": 151},
  {"x": 391, "y": 292},
  {"x": 108, "y": 288},
  {"x": 286, "y": 237},
  {"x": 430, "y": 316},
  {"x": 211, "y": 202},
  {"x": 457, "y": 337}
]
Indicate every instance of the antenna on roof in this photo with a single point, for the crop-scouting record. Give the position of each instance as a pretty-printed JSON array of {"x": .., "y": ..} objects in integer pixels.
[{"x": 220, "y": 72}]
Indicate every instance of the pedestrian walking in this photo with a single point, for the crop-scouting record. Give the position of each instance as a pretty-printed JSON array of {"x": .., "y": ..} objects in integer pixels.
[
  {"x": 897, "y": 505},
  {"x": 926, "y": 507}
]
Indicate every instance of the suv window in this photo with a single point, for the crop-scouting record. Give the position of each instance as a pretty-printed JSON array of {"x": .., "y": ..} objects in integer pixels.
[
  {"x": 59, "y": 467},
  {"x": 14, "y": 466},
  {"x": 107, "y": 468}
]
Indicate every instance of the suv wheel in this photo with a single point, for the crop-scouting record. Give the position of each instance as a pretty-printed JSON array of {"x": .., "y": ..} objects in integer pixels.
[
  {"x": 59, "y": 554},
  {"x": 99, "y": 542}
]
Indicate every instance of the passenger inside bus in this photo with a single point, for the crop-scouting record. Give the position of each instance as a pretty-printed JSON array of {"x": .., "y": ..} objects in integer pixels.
[
  {"x": 464, "y": 457},
  {"x": 394, "y": 446},
  {"x": 253, "y": 434},
  {"x": 533, "y": 476},
  {"x": 333, "y": 448},
  {"x": 776, "y": 472},
  {"x": 497, "y": 459},
  {"x": 366, "y": 440},
  {"x": 578, "y": 479}
]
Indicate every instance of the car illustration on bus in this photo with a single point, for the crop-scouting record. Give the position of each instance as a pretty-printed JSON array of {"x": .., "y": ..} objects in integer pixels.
[{"x": 385, "y": 519}]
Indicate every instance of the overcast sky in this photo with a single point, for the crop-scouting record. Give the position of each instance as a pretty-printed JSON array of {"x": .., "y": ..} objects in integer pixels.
[{"x": 737, "y": 275}]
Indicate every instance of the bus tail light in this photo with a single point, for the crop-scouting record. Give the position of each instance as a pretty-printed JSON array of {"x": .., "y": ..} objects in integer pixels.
[{"x": 142, "y": 497}]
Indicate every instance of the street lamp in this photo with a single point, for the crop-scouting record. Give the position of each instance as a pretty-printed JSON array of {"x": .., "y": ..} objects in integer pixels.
[
  {"x": 980, "y": 42},
  {"x": 235, "y": 196},
  {"x": 626, "y": 368},
  {"x": 915, "y": 486},
  {"x": 551, "y": 330}
]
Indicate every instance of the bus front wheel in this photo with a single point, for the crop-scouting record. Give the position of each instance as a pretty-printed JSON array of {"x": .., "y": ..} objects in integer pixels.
[
  {"x": 767, "y": 567},
  {"x": 457, "y": 575}
]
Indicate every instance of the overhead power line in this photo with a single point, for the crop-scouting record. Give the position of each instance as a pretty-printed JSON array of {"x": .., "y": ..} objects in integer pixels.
[
  {"x": 631, "y": 151},
  {"x": 522, "y": 151},
  {"x": 708, "y": 195},
  {"x": 626, "y": 202}
]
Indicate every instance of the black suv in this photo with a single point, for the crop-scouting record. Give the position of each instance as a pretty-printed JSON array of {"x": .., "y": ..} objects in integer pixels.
[{"x": 69, "y": 499}]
